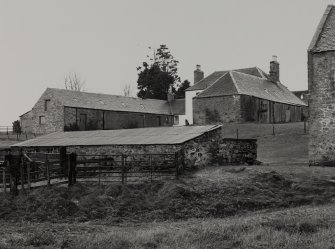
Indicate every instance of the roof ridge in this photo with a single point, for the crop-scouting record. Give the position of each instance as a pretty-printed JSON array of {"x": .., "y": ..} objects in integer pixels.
[
  {"x": 250, "y": 75},
  {"x": 105, "y": 94},
  {"x": 234, "y": 81}
]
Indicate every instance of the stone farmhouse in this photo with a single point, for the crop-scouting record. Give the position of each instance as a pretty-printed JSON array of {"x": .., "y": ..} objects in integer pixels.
[
  {"x": 66, "y": 110},
  {"x": 321, "y": 84},
  {"x": 243, "y": 95}
]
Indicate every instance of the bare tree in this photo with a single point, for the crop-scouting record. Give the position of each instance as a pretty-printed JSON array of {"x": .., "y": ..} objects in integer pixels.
[
  {"x": 128, "y": 90},
  {"x": 73, "y": 82}
]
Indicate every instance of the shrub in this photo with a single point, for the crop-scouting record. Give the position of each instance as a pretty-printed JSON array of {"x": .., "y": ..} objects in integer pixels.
[{"x": 40, "y": 238}]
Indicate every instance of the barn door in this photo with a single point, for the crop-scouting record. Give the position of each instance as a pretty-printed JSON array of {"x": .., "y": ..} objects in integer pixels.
[
  {"x": 288, "y": 115},
  {"x": 82, "y": 122}
]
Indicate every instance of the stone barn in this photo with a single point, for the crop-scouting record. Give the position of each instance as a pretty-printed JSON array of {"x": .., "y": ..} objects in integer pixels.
[
  {"x": 321, "y": 84},
  {"x": 242, "y": 95},
  {"x": 67, "y": 110},
  {"x": 200, "y": 145}
]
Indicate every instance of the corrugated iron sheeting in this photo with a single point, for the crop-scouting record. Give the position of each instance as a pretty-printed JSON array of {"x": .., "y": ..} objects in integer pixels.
[{"x": 145, "y": 136}]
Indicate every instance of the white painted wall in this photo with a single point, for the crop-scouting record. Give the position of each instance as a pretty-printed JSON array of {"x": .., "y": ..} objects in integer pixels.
[
  {"x": 189, "y": 104},
  {"x": 182, "y": 119}
]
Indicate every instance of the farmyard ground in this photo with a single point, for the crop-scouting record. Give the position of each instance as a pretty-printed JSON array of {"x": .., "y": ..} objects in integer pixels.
[{"x": 284, "y": 205}]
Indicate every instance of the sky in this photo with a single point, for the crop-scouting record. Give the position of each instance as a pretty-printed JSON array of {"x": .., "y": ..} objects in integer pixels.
[{"x": 103, "y": 41}]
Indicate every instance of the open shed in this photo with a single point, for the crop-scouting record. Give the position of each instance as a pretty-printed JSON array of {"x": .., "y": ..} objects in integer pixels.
[{"x": 199, "y": 145}]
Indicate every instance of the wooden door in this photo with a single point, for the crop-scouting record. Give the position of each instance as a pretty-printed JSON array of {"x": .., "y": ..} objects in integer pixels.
[{"x": 82, "y": 122}]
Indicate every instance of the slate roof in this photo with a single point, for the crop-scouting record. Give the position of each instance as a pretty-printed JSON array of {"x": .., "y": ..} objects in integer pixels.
[
  {"x": 324, "y": 37},
  {"x": 139, "y": 136},
  {"x": 212, "y": 78},
  {"x": 109, "y": 102},
  {"x": 235, "y": 82}
]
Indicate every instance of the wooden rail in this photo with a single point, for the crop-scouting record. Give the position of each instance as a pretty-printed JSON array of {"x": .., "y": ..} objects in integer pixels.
[{"x": 29, "y": 170}]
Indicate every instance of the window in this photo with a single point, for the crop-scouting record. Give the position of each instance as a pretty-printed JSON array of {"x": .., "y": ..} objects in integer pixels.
[
  {"x": 176, "y": 120},
  {"x": 42, "y": 120},
  {"x": 46, "y": 104}
]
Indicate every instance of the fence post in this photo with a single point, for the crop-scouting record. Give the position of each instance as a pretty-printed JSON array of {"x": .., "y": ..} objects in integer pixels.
[
  {"x": 99, "y": 171},
  {"x": 176, "y": 165},
  {"x": 4, "y": 180},
  {"x": 305, "y": 128},
  {"x": 273, "y": 130},
  {"x": 22, "y": 172},
  {"x": 28, "y": 175},
  {"x": 48, "y": 170},
  {"x": 72, "y": 163},
  {"x": 69, "y": 176},
  {"x": 122, "y": 169},
  {"x": 151, "y": 168}
]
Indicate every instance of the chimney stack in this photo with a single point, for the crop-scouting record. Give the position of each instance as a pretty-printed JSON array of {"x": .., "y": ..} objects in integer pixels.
[
  {"x": 198, "y": 74},
  {"x": 170, "y": 95},
  {"x": 274, "y": 69}
]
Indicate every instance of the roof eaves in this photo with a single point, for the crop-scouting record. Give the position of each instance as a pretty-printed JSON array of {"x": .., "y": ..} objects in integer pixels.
[{"x": 195, "y": 85}]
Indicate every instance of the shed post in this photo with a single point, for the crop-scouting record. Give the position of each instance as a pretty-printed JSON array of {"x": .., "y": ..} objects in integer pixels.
[
  {"x": 72, "y": 163},
  {"x": 63, "y": 159}
]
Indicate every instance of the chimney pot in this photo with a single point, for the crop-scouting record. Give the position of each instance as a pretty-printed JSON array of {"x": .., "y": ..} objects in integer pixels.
[{"x": 274, "y": 58}]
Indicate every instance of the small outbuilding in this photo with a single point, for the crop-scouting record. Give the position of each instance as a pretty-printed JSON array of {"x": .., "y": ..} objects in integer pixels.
[{"x": 199, "y": 145}]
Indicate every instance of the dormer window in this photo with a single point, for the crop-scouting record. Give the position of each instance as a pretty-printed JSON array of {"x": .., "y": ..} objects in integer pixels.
[{"x": 46, "y": 104}]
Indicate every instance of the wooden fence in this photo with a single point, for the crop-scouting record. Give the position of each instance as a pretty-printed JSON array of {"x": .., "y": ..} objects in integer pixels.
[{"x": 28, "y": 170}]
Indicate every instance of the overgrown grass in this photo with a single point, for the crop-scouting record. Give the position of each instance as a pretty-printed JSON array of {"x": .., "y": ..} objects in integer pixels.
[
  {"x": 234, "y": 191},
  {"x": 308, "y": 228}
]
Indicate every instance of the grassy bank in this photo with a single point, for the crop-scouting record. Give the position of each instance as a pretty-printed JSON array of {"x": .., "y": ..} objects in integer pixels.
[{"x": 209, "y": 193}]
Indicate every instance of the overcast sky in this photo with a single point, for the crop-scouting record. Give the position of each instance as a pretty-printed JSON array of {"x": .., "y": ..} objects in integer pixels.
[{"x": 41, "y": 41}]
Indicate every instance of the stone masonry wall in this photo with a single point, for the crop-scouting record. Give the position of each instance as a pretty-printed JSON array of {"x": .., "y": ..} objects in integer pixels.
[
  {"x": 53, "y": 115},
  {"x": 321, "y": 75},
  {"x": 203, "y": 151},
  {"x": 26, "y": 122},
  {"x": 224, "y": 109}
]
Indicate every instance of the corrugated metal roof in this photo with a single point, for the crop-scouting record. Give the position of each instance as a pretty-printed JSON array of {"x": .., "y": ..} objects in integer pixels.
[
  {"x": 109, "y": 102},
  {"x": 140, "y": 136}
]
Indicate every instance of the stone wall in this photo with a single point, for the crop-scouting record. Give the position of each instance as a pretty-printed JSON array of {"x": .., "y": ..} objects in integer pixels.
[
  {"x": 203, "y": 151},
  {"x": 53, "y": 116},
  {"x": 321, "y": 76},
  {"x": 223, "y": 109},
  {"x": 26, "y": 122}
]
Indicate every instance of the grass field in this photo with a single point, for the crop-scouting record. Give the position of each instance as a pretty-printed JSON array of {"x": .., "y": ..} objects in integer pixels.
[{"x": 280, "y": 204}]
